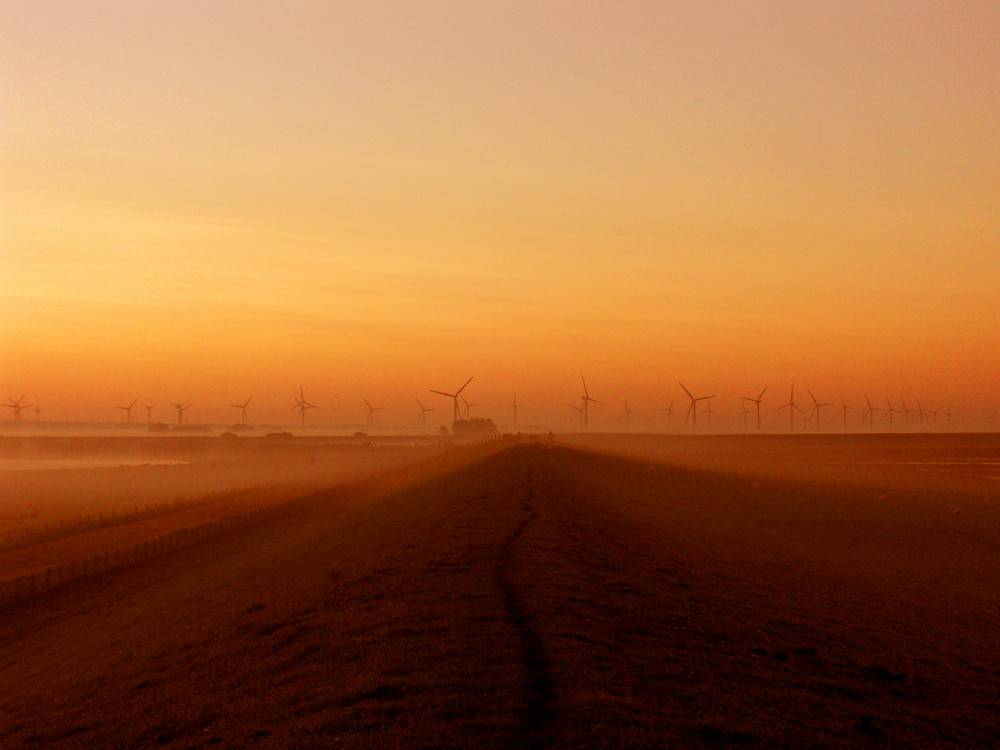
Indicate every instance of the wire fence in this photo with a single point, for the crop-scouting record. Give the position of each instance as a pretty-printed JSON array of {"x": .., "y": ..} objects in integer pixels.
[{"x": 53, "y": 577}]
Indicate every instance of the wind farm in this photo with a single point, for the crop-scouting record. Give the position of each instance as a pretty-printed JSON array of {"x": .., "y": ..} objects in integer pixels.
[
  {"x": 607, "y": 244},
  {"x": 548, "y": 417}
]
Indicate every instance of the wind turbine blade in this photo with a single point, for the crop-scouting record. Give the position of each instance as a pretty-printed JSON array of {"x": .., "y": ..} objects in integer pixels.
[
  {"x": 463, "y": 387},
  {"x": 762, "y": 393},
  {"x": 685, "y": 390},
  {"x": 442, "y": 393}
]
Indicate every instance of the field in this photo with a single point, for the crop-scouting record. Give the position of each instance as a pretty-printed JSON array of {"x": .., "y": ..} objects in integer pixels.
[{"x": 609, "y": 591}]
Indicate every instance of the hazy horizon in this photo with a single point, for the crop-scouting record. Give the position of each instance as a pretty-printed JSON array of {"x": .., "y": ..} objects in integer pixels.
[{"x": 373, "y": 200}]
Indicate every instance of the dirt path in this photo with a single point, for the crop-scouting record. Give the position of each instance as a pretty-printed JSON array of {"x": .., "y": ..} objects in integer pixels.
[{"x": 536, "y": 596}]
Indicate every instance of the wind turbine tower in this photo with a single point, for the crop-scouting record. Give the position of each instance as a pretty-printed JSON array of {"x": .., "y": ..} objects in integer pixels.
[
  {"x": 670, "y": 413},
  {"x": 693, "y": 408},
  {"x": 457, "y": 413},
  {"x": 243, "y": 409},
  {"x": 181, "y": 408},
  {"x": 869, "y": 413},
  {"x": 628, "y": 415},
  {"x": 371, "y": 412},
  {"x": 792, "y": 408},
  {"x": 468, "y": 406},
  {"x": 757, "y": 402},
  {"x": 587, "y": 401},
  {"x": 890, "y": 411},
  {"x": 17, "y": 406},
  {"x": 149, "y": 412},
  {"x": 423, "y": 413},
  {"x": 128, "y": 410},
  {"x": 816, "y": 407},
  {"x": 302, "y": 405}
]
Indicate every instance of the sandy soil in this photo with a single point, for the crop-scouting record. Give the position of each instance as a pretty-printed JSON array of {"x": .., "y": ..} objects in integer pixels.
[{"x": 537, "y": 596}]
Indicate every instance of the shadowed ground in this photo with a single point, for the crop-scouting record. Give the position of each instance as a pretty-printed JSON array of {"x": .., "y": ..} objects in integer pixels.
[{"x": 541, "y": 596}]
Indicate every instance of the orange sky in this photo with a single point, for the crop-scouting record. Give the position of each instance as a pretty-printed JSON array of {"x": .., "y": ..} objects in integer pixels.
[{"x": 206, "y": 200}]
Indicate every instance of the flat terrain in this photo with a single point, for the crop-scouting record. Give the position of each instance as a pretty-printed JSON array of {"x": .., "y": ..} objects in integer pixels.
[{"x": 541, "y": 596}]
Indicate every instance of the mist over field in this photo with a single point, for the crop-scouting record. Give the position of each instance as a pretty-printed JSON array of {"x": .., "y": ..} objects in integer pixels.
[{"x": 499, "y": 375}]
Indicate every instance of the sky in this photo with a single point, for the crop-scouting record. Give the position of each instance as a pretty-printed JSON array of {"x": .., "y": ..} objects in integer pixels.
[{"x": 203, "y": 201}]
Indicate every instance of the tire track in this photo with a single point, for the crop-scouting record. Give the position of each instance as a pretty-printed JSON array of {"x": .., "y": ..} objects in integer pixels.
[{"x": 539, "y": 713}]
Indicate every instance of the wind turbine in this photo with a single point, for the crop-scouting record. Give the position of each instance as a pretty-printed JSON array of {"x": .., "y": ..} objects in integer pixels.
[
  {"x": 587, "y": 400},
  {"x": 693, "y": 408},
  {"x": 844, "y": 408},
  {"x": 457, "y": 414},
  {"x": 628, "y": 414},
  {"x": 128, "y": 410},
  {"x": 371, "y": 412},
  {"x": 756, "y": 401},
  {"x": 302, "y": 405},
  {"x": 869, "y": 412},
  {"x": 17, "y": 406},
  {"x": 746, "y": 415},
  {"x": 709, "y": 412},
  {"x": 579, "y": 410},
  {"x": 181, "y": 408},
  {"x": 792, "y": 408},
  {"x": 907, "y": 412},
  {"x": 890, "y": 411},
  {"x": 670, "y": 413},
  {"x": 423, "y": 413},
  {"x": 816, "y": 407},
  {"x": 243, "y": 408},
  {"x": 515, "y": 411},
  {"x": 149, "y": 412},
  {"x": 38, "y": 413},
  {"x": 468, "y": 406}
]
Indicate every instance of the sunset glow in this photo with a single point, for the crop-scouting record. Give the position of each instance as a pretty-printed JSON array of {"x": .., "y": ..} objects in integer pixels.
[{"x": 200, "y": 202}]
